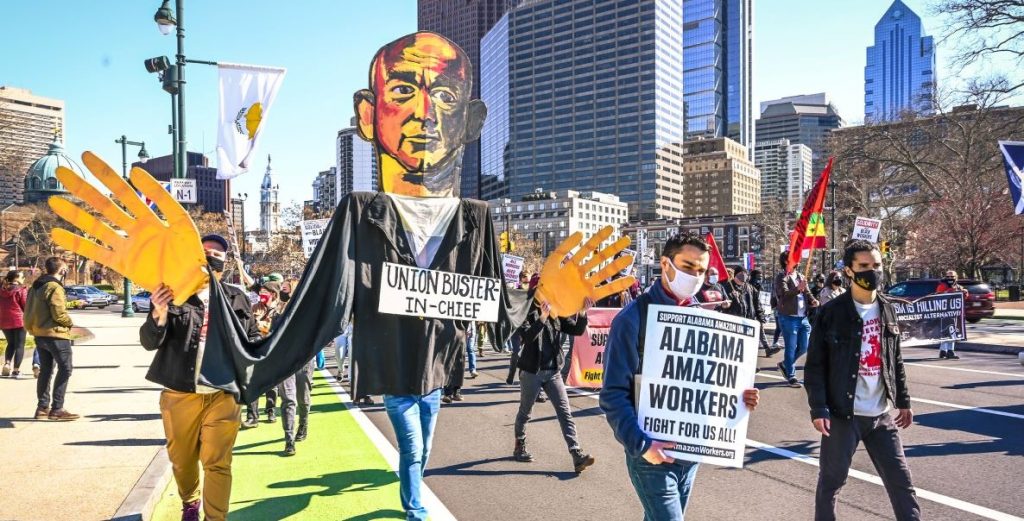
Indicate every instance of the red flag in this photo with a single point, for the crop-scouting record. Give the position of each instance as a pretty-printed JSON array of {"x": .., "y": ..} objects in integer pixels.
[
  {"x": 809, "y": 232},
  {"x": 716, "y": 256}
]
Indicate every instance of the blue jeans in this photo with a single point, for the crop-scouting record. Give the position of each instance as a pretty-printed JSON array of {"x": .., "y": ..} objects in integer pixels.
[
  {"x": 471, "y": 356},
  {"x": 796, "y": 332},
  {"x": 663, "y": 489},
  {"x": 413, "y": 418}
]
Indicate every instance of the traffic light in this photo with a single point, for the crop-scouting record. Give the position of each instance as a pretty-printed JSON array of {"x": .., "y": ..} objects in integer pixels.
[
  {"x": 504, "y": 242},
  {"x": 884, "y": 247}
]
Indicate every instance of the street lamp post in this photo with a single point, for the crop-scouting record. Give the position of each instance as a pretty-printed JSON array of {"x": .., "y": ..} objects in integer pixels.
[
  {"x": 832, "y": 187},
  {"x": 167, "y": 21},
  {"x": 126, "y": 310}
]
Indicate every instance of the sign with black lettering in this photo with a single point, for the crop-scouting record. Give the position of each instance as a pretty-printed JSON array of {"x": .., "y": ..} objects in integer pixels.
[
  {"x": 512, "y": 265},
  {"x": 311, "y": 232},
  {"x": 184, "y": 190},
  {"x": 931, "y": 319},
  {"x": 418, "y": 292},
  {"x": 696, "y": 365}
]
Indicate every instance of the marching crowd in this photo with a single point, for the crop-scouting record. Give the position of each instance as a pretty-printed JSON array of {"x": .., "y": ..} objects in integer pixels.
[{"x": 853, "y": 374}]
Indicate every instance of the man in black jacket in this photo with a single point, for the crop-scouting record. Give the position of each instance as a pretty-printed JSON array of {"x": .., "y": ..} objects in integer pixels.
[
  {"x": 200, "y": 422},
  {"x": 854, "y": 374},
  {"x": 541, "y": 361}
]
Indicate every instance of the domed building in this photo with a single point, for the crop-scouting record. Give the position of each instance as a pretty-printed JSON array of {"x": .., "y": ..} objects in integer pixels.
[{"x": 41, "y": 180}]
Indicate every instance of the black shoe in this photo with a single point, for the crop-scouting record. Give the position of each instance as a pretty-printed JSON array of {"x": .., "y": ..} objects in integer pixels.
[
  {"x": 509, "y": 380},
  {"x": 581, "y": 460},
  {"x": 365, "y": 400},
  {"x": 302, "y": 432},
  {"x": 250, "y": 423},
  {"x": 770, "y": 351},
  {"x": 950, "y": 355},
  {"x": 942, "y": 355},
  {"x": 289, "y": 448},
  {"x": 520, "y": 453},
  {"x": 271, "y": 416},
  {"x": 541, "y": 398},
  {"x": 793, "y": 382},
  {"x": 457, "y": 396},
  {"x": 446, "y": 399},
  {"x": 782, "y": 370}
]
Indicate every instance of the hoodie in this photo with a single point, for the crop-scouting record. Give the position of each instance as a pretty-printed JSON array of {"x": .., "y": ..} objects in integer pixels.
[
  {"x": 12, "y": 306},
  {"x": 46, "y": 313}
]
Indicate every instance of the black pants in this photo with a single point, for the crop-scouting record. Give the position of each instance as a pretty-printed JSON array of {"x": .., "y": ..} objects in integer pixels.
[
  {"x": 253, "y": 409},
  {"x": 15, "y": 346},
  {"x": 883, "y": 444},
  {"x": 53, "y": 351}
]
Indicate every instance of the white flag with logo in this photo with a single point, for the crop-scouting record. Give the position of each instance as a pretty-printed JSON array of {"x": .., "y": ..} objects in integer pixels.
[{"x": 246, "y": 94}]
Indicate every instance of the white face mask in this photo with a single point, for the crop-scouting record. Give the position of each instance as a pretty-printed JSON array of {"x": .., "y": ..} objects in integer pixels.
[
  {"x": 684, "y": 285},
  {"x": 713, "y": 279}
]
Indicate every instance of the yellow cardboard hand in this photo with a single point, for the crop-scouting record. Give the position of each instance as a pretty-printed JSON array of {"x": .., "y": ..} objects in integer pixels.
[
  {"x": 148, "y": 250},
  {"x": 565, "y": 285}
]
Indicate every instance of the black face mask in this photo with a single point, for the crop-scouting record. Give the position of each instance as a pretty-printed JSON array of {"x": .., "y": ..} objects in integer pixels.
[
  {"x": 868, "y": 280},
  {"x": 215, "y": 263},
  {"x": 285, "y": 296},
  {"x": 949, "y": 280}
]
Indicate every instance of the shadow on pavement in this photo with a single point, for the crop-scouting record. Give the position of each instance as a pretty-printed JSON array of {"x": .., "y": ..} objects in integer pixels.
[
  {"x": 125, "y": 417},
  {"x": 809, "y": 448},
  {"x": 379, "y": 514},
  {"x": 129, "y": 442},
  {"x": 998, "y": 383},
  {"x": 115, "y": 390},
  {"x": 460, "y": 469},
  {"x": 1005, "y": 434},
  {"x": 283, "y": 506}
]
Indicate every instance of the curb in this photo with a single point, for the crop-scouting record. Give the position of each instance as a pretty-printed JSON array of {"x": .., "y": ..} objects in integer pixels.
[
  {"x": 989, "y": 348},
  {"x": 142, "y": 500}
]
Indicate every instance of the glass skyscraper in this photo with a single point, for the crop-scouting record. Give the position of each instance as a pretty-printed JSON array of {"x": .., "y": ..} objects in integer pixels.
[
  {"x": 464, "y": 22},
  {"x": 805, "y": 119},
  {"x": 586, "y": 95},
  {"x": 900, "y": 71},
  {"x": 717, "y": 75}
]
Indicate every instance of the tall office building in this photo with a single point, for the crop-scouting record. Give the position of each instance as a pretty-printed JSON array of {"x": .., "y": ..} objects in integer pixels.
[
  {"x": 325, "y": 190},
  {"x": 464, "y": 22},
  {"x": 28, "y": 124},
  {"x": 212, "y": 194},
  {"x": 900, "y": 71},
  {"x": 593, "y": 98},
  {"x": 786, "y": 172},
  {"x": 270, "y": 206},
  {"x": 718, "y": 54},
  {"x": 357, "y": 164},
  {"x": 719, "y": 179},
  {"x": 806, "y": 119}
]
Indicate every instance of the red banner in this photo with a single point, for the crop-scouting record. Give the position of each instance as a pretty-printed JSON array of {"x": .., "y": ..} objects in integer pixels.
[{"x": 586, "y": 368}]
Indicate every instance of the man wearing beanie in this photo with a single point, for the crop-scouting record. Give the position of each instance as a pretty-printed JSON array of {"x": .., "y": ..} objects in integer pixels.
[
  {"x": 264, "y": 312},
  {"x": 190, "y": 410}
]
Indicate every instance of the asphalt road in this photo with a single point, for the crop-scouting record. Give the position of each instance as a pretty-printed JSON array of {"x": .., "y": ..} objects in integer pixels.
[{"x": 963, "y": 448}]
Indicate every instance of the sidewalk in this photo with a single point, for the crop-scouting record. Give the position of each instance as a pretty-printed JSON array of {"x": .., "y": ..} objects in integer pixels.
[{"x": 82, "y": 469}]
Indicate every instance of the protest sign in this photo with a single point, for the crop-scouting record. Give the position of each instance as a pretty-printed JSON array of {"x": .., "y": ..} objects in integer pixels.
[
  {"x": 696, "y": 365},
  {"x": 586, "y": 368},
  {"x": 931, "y": 319},
  {"x": 865, "y": 229},
  {"x": 418, "y": 292},
  {"x": 512, "y": 267},
  {"x": 629, "y": 269},
  {"x": 311, "y": 233}
]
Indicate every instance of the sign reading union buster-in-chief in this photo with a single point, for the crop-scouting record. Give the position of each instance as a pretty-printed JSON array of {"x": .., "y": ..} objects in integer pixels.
[
  {"x": 418, "y": 292},
  {"x": 696, "y": 365}
]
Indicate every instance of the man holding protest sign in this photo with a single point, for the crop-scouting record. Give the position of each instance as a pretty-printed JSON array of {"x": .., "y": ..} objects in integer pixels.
[
  {"x": 949, "y": 284},
  {"x": 662, "y": 483},
  {"x": 854, "y": 372}
]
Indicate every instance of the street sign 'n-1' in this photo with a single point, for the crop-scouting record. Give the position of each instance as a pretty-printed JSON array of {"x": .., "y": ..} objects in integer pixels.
[{"x": 184, "y": 190}]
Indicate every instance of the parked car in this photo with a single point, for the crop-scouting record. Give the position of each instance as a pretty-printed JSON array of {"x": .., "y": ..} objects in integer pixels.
[
  {"x": 140, "y": 301},
  {"x": 979, "y": 303},
  {"x": 88, "y": 298},
  {"x": 93, "y": 290}
]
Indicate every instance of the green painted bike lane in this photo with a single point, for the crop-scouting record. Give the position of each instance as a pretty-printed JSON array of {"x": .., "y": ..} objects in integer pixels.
[{"x": 336, "y": 473}]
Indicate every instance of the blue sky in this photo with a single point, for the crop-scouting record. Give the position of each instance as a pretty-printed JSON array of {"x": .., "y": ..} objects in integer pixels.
[{"x": 90, "y": 54}]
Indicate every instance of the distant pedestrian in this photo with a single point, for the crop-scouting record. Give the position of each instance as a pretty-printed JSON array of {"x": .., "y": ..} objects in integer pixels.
[
  {"x": 264, "y": 313},
  {"x": 13, "y": 298},
  {"x": 757, "y": 287},
  {"x": 949, "y": 284},
  {"x": 47, "y": 319},
  {"x": 341, "y": 345},
  {"x": 833, "y": 288},
  {"x": 795, "y": 302},
  {"x": 296, "y": 392}
]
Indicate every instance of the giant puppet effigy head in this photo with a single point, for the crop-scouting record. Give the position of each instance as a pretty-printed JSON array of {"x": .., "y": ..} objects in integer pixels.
[{"x": 419, "y": 114}]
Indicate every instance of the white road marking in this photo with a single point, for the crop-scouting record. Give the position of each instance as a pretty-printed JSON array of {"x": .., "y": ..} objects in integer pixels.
[
  {"x": 942, "y": 404},
  {"x": 916, "y": 364},
  {"x": 958, "y": 504},
  {"x": 438, "y": 512}
]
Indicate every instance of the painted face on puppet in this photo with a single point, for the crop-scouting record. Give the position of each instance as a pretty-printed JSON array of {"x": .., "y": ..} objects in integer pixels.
[{"x": 419, "y": 114}]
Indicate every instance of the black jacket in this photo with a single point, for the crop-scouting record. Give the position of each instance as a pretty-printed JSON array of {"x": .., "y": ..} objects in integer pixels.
[
  {"x": 538, "y": 335},
  {"x": 177, "y": 342},
  {"x": 833, "y": 358},
  {"x": 742, "y": 299},
  {"x": 391, "y": 354}
]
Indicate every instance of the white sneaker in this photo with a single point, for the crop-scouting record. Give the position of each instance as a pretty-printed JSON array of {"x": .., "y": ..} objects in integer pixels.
[{"x": 7, "y": 370}]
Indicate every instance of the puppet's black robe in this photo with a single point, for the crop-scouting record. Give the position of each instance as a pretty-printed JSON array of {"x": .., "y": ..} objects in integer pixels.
[{"x": 391, "y": 354}]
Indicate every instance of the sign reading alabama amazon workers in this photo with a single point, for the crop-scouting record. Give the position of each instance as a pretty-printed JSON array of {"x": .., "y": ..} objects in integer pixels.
[
  {"x": 418, "y": 292},
  {"x": 696, "y": 365}
]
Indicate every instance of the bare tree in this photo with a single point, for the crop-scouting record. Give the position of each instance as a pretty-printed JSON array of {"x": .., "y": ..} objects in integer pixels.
[{"x": 987, "y": 30}]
